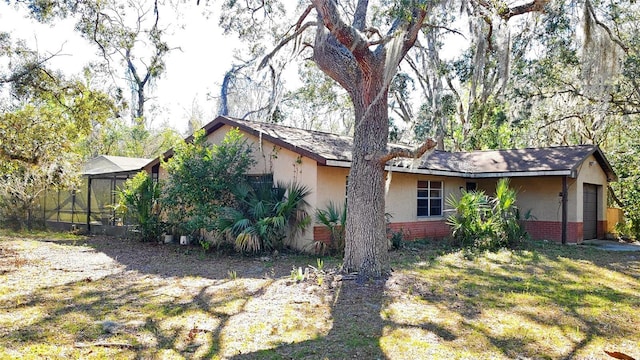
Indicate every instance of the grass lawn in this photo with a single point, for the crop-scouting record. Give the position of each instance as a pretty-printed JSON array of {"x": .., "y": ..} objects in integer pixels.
[{"x": 107, "y": 298}]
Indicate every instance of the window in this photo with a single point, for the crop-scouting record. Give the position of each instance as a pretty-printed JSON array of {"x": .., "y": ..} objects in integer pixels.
[
  {"x": 471, "y": 186},
  {"x": 155, "y": 172},
  {"x": 430, "y": 198},
  {"x": 259, "y": 181}
]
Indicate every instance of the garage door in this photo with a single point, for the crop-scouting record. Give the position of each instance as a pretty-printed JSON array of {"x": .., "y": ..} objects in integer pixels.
[{"x": 590, "y": 212}]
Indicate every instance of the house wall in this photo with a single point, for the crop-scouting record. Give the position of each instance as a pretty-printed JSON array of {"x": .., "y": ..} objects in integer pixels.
[
  {"x": 541, "y": 196},
  {"x": 590, "y": 172},
  {"x": 331, "y": 186},
  {"x": 540, "y": 205},
  {"x": 401, "y": 201}
]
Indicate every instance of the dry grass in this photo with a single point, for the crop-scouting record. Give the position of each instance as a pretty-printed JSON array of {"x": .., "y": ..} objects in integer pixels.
[{"x": 106, "y": 298}]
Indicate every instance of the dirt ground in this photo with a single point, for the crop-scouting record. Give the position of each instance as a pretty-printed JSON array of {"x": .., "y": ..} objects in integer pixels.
[
  {"x": 110, "y": 298},
  {"x": 179, "y": 279}
]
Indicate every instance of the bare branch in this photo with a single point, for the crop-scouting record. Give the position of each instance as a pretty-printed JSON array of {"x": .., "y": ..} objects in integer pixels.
[
  {"x": 304, "y": 15},
  {"x": 533, "y": 6},
  {"x": 448, "y": 29},
  {"x": 402, "y": 153},
  {"x": 284, "y": 42}
]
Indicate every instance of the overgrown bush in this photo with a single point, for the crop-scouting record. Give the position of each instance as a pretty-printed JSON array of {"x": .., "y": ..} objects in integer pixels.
[
  {"x": 333, "y": 218},
  {"x": 201, "y": 177},
  {"x": 486, "y": 223},
  {"x": 264, "y": 216},
  {"x": 139, "y": 199}
]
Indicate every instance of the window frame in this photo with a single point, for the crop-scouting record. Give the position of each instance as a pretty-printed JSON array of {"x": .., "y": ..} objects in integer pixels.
[{"x": 429, "y": 198}]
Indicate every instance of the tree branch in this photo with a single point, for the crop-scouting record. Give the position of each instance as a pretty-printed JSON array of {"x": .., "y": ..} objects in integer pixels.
[
  {"x": 284, "y": 42},
  {"x": 360, "y": 16},
  {"x": 403, "y": 153},
  {"x": 533, "y": 6},
  {"x": 346, "y": 35},
  {"x": 605, "y": 27}
]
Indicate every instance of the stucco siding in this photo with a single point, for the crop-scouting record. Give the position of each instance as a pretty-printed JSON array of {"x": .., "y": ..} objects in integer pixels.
[
  {"x": 331, "y": 186},
  {"x": 286, "y": 166},
  {"x": 402, "y": 201}
]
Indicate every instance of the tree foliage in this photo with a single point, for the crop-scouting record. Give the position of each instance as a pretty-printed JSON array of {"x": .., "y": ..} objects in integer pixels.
[{"x": 41, "y": 121}]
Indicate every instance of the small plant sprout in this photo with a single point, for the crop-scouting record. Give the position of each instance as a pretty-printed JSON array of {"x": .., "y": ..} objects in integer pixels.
[
  {"x": 232, "y": 274},
  {"x": 297, "y": 274},
  {"x": 320, "y": 264}
]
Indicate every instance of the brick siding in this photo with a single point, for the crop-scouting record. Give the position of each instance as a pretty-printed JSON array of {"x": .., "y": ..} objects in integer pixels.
[
  {"x": 538, "y": 230},
  {"x": 412, "y": 230},
  {"x": 552, "y": 230}
]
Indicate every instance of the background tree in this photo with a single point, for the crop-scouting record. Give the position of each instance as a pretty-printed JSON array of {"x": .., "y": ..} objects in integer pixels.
[
  {"x": 130, "y": 36},
  {"x": 319, "y": 104},
  {"x": 41, "y": 121}
]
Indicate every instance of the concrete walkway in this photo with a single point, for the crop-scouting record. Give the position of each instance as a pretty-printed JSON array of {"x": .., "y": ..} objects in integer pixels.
[{"x": 612, "y": 245}]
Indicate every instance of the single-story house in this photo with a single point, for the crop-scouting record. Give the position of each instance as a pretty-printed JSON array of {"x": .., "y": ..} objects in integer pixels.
[{"x": 564, "y": 188}]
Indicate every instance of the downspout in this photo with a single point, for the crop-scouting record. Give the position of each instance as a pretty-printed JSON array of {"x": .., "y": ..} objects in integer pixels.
[
  {"x": 564, "y": 209},
  {"x": 89, "y": 205}
]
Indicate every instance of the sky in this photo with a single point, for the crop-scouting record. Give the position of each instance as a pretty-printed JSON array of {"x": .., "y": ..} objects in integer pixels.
[{"x": 193, "y": 71}]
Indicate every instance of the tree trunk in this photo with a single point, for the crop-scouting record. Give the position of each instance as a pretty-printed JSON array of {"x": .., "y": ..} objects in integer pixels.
[
  {"x": 366, "y": 243},
  {"x": 365, "y": 70}
]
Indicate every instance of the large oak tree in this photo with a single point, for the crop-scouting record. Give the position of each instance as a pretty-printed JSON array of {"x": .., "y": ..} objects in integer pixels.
[{"x": 364, "y": 60}]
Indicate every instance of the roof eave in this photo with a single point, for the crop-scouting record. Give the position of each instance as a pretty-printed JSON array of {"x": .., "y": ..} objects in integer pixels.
[
  {"x": 467, "y": 175},
  {"x": 264, "y": 136},
  {"x": 109, "y": 175}
]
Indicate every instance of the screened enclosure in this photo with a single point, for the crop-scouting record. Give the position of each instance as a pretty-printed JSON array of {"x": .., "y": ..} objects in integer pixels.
[{"x": 91, "y": 206}]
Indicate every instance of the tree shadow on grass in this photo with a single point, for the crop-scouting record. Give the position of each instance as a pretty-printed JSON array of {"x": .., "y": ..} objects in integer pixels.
[
  {"x": 355, "y": 331},
  {"x": 357, "y": 324}
]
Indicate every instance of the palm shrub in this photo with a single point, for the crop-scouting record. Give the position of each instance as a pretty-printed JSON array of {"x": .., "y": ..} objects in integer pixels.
[
  {"x": 471, "y": 224},
  {"x": 265, "y": 217},
  {"x": 483, "y": 222},
  {"x": 506, "y": 214},
  {"x": 138, "y": 199},
  {"x": 333, "y": 217}
]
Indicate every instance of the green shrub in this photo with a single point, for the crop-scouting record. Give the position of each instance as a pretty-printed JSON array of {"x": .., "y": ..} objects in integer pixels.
[
  {"x": 200, "y": 179},
  {"x": 397, "y": 239},
  {"x": 483, "y": 222},
  {"x": 138, "y": 199},
  {"x": 333, "y": 218}
]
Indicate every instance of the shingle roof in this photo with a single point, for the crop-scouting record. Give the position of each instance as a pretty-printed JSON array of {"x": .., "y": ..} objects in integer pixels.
[
  {"x": 325, "y": 145},
  {"x": 548, "y": 160},
  {"x": 106, "y": 164},
  {"x": 331, "y": 149}
]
